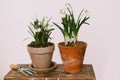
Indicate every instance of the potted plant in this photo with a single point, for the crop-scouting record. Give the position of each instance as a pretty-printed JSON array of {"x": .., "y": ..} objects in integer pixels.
[
  {"x": 72, "y": 51},
  {"x": 41, "y": 50}
]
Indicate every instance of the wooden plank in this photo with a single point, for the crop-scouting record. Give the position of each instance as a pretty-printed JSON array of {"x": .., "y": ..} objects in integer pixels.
[{"x": 87, "y": 73}]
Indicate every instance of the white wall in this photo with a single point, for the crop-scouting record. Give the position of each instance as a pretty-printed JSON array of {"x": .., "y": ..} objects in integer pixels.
[{"x": 102, "y": 36}]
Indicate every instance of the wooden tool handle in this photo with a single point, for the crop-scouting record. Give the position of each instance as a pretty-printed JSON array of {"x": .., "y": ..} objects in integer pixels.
[{"x": 13, "y": 66}]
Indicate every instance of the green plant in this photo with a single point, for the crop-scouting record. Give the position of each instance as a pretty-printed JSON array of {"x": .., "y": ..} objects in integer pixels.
[
  {"x": 40, "y": 32},
  {"x": 70, "y": 26}
]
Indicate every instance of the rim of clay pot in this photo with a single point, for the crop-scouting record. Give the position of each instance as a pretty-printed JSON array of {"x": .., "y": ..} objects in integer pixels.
[
  {"x": 81, "y": 43},
  {"x": 48, "y": 49},
  {"x": 52, "y": 44}
]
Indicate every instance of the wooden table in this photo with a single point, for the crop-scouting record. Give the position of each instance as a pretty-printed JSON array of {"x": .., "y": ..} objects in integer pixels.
[{"x": 87, "y": 73}]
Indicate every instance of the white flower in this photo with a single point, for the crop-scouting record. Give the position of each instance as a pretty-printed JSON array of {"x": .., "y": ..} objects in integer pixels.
[
  {"x": 46, "y": 21},
  {"x": 62, "y": 13},
  {"x": 37, "y": 30},
  {"x": 86, "y": 13},
  {"x": 65, "y": 11},
  {"x": 50, "y": 27}
]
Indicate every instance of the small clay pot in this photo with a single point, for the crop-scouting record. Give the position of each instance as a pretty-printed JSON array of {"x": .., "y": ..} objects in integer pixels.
[
  {"x": 41, "y": 57},
  {"x": 72, "y": 56}
]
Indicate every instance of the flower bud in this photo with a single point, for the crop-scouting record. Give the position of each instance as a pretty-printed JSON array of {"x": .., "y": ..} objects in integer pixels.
[{"x": 86, "y": 13}]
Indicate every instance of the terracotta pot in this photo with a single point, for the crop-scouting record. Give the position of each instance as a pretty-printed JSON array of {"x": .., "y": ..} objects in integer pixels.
[
  {"x": 72, "y": 56},
  {"x": 41, "y": 57}
]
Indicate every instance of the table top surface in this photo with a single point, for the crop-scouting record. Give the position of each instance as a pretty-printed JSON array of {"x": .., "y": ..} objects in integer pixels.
[{"x": 86, "y": 73}]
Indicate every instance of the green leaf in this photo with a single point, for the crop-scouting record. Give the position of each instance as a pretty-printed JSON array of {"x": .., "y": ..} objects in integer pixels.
[
  {"x": 78, "y": 20},
  {"x": 31, "y": 30},
  {"x": 59, "y": 28},
  {"x": 68, "y": 8},
  {"x": 82, "y": 22}
]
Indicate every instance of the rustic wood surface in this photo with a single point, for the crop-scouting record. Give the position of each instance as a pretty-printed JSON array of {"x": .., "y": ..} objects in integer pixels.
[{"x": 58, "y": 73}]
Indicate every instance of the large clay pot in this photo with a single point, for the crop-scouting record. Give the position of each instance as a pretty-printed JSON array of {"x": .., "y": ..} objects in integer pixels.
[
  {"x": 72, "y": 56},
  {"x": 41, "y": 57}
]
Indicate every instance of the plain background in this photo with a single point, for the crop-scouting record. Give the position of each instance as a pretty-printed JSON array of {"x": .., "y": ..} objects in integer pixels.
[{"x": 102, "y": 35}]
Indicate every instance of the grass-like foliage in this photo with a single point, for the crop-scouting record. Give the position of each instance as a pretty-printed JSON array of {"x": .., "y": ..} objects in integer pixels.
[
  {"x": 41, "y": 32},
  {"x": 70, "y": 27}
]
